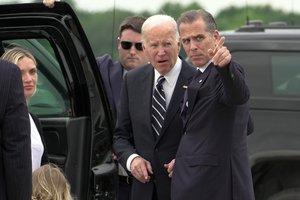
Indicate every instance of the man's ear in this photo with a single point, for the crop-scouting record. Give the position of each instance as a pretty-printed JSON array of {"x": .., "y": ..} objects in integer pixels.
[{"x": 216, "y": 35}]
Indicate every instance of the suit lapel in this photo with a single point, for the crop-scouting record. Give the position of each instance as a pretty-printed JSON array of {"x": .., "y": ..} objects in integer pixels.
[
  {"x": 145, "y": 97},
  {"x": 183, "y": 80},
  {"x": 193, "y": 88}
]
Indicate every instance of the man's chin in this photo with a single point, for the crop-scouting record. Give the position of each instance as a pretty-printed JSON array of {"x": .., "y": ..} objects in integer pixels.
[
  {"x": 131, "y": 66},
  {"x": 197, "y": 62}
]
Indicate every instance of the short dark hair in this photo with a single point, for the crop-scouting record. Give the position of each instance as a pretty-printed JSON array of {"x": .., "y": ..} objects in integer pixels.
[
  {"x": 133, "y": 23},
  {"x": 193, "y": 15}
]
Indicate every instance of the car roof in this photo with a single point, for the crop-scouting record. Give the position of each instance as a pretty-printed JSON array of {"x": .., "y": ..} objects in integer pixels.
[
  {"x": 263, "y": 37},
  {"x": 257, "y": 30}
]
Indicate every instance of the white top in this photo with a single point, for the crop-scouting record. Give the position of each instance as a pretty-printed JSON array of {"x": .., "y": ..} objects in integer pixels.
[
  {"x": 37, "y": 147},
  {"x": 169, "y": 86}
]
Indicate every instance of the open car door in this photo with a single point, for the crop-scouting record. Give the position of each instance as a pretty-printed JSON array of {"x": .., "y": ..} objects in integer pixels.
[{"x": 70, "y": 100}]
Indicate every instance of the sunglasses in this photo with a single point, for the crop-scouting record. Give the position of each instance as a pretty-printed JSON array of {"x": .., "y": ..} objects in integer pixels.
[{"x": 127, "y": 45}]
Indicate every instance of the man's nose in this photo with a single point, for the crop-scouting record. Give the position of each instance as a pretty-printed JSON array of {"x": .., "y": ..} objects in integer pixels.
[{"x": 193, "y": 45}]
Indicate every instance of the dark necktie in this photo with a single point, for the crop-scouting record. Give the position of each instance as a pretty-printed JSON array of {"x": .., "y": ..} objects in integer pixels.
[{"x": 158, "y": 106}]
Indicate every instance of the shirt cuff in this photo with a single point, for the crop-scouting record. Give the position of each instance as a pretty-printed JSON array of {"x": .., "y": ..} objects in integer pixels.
[{"x": 129, "y": 160}]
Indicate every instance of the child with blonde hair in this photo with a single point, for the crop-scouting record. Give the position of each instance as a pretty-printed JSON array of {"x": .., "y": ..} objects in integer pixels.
[{"x": 49, "y": 183}]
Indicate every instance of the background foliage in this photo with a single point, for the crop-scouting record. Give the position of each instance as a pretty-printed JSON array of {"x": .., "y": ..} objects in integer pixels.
[{"x": 102, "y": 27}]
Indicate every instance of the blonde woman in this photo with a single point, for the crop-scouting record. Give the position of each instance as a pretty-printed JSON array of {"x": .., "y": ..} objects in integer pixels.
[
  {"x": 27, "y": 64},
  {"x": 49, "y": 183}
]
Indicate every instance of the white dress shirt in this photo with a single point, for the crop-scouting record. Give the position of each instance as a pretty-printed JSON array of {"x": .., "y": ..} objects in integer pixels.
[
  {"x": 168, "y": 85},
  {"x": 37, "y": 147}
]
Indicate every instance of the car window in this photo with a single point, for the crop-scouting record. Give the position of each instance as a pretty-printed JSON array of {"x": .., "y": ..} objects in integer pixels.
[
  {"x": 271, "y": 74},
  {"x": 51, "y": 97},
  {"x": 286, "y": 74}
]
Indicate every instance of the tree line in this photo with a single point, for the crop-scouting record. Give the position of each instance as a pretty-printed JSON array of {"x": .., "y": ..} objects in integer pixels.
[{"x": 101, "y": 27}]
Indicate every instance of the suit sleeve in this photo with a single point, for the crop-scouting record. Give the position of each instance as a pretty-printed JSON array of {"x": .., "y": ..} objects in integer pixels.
[
  {"x": 123, "y": 136},
  {"x": 236, "y": 91},
  {"x": 16, "y": 145}
]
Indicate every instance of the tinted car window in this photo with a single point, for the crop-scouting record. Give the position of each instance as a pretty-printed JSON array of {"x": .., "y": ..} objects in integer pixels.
[
  {"x": 286, "y": 74},
  {"x": 271, "y": 75}
]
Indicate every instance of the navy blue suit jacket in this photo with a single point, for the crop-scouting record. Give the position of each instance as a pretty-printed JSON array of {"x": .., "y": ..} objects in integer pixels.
[
  {"x": 212, "y": 159},
  {"x": 134, "y": 134},
  {"x": 112, "y": 76},
  {"x": 15, "y": 146}
]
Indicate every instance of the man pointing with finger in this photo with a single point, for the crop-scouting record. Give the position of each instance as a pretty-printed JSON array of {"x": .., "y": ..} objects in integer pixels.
[{"x": 212, "y": 159}]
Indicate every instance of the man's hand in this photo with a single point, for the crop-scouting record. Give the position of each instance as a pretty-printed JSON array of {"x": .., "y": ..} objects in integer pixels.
[
  {"x": 114, "y": 156},
  {"x": 140, "y": 169},
  {"x": 49, "y": 3},
  {"x": 170, "y": 167},
  {"x": 220, "y": 55}
]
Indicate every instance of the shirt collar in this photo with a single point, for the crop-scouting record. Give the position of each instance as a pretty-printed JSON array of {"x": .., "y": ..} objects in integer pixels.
[
  {"x": 172, "y": 75},
  {"x": 203, "y": 68}
]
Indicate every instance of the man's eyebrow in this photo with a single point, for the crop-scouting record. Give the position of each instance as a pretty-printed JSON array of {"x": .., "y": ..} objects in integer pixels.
[{"x": 199, "y": 35}]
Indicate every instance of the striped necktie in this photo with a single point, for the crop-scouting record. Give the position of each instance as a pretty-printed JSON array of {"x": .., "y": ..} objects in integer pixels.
[{"x": 158, "y": 106}]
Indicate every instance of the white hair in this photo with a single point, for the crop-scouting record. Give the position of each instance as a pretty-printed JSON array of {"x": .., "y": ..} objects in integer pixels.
[{"x": 156, "y": 20}]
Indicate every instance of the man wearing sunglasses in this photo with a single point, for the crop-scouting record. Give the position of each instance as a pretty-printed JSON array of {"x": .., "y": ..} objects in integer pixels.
[{"x": 131, "y": 55}]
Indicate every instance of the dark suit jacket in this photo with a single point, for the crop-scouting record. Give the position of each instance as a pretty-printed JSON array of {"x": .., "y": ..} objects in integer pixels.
[
  {"x": 212, "y": 159},
  {"x": 15, "y": 148},
  {"x": 134, "y": 134},
  {"x": 112, "y": 76},
  {"x": 38, "y": 125}
]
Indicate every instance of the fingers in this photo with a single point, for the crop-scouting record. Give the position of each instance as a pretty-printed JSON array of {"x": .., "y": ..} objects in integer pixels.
[
  {"x": 144, "y": 169},
  {"x": 149, "y": 168},
  {"x": 220, "y": 55},
  {"x": 219, "y": 45},
  {"x": 170, "y": 167},
  {"x": 114, "y": 156},
  {"x": 140, "y": 168}
]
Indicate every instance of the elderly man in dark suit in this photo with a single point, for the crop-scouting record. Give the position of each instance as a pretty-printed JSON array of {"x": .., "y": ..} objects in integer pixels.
[
  {"x": 212, "y": 159},
  {"x": 15, "y": 148},
  {"x": 149, "y": 126}
]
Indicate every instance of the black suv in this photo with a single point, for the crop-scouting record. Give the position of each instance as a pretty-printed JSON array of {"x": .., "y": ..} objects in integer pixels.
[
  {"x": 70, "y": 99},
  {"x": 271, "y": 59}
]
